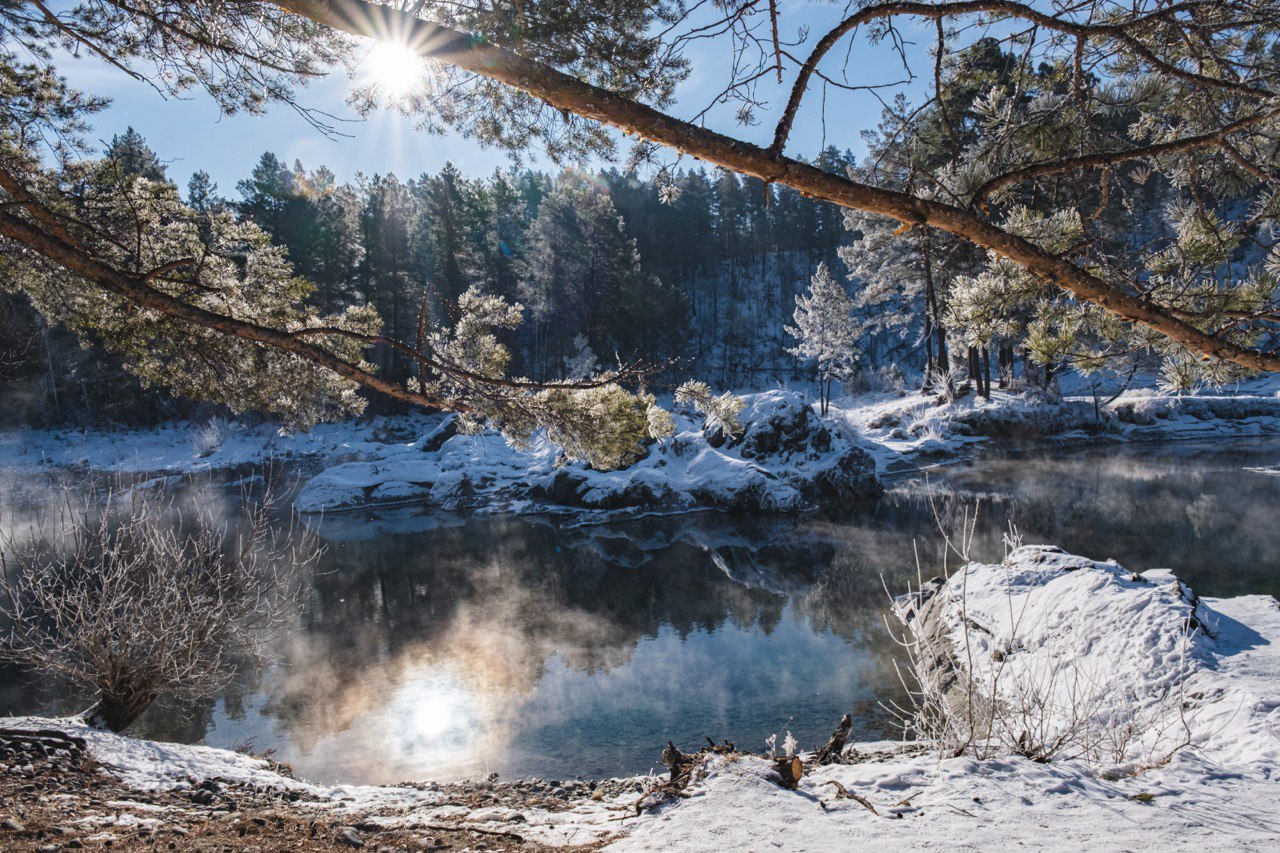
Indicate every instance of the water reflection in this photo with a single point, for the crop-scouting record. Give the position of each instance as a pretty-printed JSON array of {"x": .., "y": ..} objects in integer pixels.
[
  {"x": 520, "y": 647},
  {"x": 440, "y": 646}
]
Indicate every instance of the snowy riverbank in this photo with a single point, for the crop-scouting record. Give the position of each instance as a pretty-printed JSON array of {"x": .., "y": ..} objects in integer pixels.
[
  {"x": 1167, "y": 706},
  {"x": 787, "y": 460},
  {"x": 902, "y": 430}
]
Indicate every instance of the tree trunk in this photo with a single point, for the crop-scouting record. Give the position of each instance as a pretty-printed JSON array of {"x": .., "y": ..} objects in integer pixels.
[
  {"x": 986, "y": 373},
  {"x": 116, "y": 712},
  {"x": 831, "y": 753},
  {"x": 789, "y": 770},
  {"x": 931, "y": 366}
]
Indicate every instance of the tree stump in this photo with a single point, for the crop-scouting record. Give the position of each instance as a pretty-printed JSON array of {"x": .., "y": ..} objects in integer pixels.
[
  {"x": 830, "y": 754},
  {"x": 789, "y": 770}
]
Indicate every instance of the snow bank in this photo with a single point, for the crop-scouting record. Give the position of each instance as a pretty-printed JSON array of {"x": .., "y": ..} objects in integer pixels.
[
  {"x": 902, "y": 428},
  {"x": 190, "y": 448},
  {"x": 1149, "y": 409},
  {"x": 786, "y": 460}
]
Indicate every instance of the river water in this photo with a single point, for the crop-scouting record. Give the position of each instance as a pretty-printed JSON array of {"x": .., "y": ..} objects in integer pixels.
[{"x": 432, "y": 646}]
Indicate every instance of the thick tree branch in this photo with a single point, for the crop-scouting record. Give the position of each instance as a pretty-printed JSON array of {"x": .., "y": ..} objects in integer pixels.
[
  {"x": 134, "y": 289},
  {"x": 942, "y": 11},
  {"x": 568, "y": 93}
]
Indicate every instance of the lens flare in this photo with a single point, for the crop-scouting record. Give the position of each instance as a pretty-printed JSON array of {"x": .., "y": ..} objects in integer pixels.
[{"x": 393, "y": 68}]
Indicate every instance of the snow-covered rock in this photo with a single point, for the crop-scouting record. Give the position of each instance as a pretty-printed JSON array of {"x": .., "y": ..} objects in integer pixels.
[{"x": 786, "y": 459}]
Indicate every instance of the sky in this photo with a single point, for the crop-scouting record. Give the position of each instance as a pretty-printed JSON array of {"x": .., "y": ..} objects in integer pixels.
[{"x": 191, "y": 134}]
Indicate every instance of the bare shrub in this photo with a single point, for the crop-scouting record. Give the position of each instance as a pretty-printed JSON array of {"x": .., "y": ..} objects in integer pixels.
[
  {"x": 136, "y": 597},
  {"x": 947, "y": 383}
]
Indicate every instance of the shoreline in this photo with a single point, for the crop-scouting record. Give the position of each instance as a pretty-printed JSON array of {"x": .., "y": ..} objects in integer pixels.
[{"x": 1210, "y": 786}]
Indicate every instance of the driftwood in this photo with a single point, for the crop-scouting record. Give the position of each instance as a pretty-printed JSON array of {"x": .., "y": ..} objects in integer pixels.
[
  {"x": 682, "y": 765},
  {"x": 789, "y": 769},
  {"x": 831, "y": 753},
  {"x": 843, "y": 793}
]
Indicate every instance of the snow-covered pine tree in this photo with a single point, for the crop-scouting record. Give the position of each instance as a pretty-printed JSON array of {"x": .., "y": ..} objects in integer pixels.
[
  {"x": 825, "y": 331},
  {"x": 582, "y": 363}
]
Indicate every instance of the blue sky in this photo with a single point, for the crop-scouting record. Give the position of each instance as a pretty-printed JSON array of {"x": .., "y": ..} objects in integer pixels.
[{"x": 190, "y": 133}]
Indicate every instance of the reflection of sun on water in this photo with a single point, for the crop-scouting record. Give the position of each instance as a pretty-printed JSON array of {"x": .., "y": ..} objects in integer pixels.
[
  {"x": 435, "y": 711},
  {"x": 393, "y": 68}
]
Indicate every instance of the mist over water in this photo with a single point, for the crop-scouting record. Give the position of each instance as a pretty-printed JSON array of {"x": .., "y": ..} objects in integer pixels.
[{"x": 438, "y": 646}]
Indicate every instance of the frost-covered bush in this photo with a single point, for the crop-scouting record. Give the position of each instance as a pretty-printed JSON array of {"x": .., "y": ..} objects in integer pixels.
[
  {"x": 137, "y": 598},
  {"x": 208, "y": 437},
  {"x": 887, "y": 378}
]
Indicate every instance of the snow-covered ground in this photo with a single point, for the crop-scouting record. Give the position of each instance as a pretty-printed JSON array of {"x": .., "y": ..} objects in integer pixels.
[
  {"x": 188, "y": 448},
  {"x": 785, "y": 460},
  {"x": 1187, "y": 689}
]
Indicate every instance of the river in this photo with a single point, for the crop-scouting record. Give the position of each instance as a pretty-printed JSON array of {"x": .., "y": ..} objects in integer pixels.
[{"x": 437, "y": 646}]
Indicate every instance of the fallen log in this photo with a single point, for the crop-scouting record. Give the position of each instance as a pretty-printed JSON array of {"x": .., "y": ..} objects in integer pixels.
[{"x": 48, "y": 739}]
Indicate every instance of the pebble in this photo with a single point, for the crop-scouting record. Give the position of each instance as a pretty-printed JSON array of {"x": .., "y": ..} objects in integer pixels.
[
  {"x": 351, "y": 837},
  {"x": 12, "y": 825}
]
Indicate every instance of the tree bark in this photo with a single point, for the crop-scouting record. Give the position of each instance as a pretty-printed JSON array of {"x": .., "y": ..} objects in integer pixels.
[
  {"x": 834, "y": 748},
  {"x": 986, "y": 373},
  {"x": 790, "y": 770}
]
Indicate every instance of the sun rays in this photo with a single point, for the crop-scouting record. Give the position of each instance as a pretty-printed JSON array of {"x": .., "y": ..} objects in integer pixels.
[{"x": 393, "y": 69}]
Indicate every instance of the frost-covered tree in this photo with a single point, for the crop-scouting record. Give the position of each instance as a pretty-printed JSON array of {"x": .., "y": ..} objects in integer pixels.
[
  {"x": 132, "y": 156},
  {"x": 902, "y": 285},
  {"x": 826, "y": 332},
  {"x": 582, "y": 363}
]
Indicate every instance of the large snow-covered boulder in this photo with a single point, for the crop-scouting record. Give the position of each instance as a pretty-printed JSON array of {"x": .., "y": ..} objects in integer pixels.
[
  {"x": 786, "y": 459},
  {"x": 1075, "y": 649}
]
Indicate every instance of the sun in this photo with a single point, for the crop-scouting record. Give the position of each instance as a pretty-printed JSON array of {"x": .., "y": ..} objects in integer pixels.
[{"x": 393, "y": 68}]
